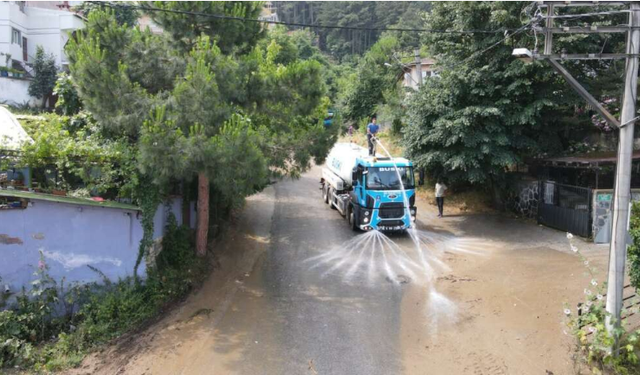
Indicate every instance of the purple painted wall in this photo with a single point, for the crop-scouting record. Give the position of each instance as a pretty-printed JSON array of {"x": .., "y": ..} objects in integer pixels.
[{"x": 71, "y": 237}]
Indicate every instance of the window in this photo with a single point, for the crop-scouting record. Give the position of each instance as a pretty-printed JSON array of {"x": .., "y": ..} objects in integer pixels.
[
  {"x": 386, "y": 178},
  {"x": 358, "y": 175},
  {"x": 16, "y": 37}
]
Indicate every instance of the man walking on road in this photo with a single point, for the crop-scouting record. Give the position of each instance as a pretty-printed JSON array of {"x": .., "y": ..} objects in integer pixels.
[
  {"x": 440, "y": 189},
  {"x": 372, "y": 130}
]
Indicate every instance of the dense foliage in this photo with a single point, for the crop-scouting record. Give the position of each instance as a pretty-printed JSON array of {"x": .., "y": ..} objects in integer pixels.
[
  {"x": 229, "y": 36},
  {"x": 488, "y": 111},
  {"x": 68, "y": 153},
  {"x": 634, "y": 249},
  {"x": 124, "y": 15},
  {"x": 373, "y": 80}
]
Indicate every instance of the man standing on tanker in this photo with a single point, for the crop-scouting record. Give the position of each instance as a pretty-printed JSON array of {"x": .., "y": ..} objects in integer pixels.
[{"x": 372, "y": 130}]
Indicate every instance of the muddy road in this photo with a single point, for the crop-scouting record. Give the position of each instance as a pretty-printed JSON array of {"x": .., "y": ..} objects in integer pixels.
[{"x": 298, "y": 293}]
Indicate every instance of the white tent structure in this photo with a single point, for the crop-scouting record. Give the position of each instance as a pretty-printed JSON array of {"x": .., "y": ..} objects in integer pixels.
[{"x": 12, "y": 134}]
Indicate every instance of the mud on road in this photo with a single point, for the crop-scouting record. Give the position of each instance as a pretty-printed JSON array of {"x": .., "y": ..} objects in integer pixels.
[{"x": 298, "y": 293}]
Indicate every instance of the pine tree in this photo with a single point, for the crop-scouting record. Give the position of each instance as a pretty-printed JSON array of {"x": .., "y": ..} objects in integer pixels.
[{"x": 230, "y": 116}]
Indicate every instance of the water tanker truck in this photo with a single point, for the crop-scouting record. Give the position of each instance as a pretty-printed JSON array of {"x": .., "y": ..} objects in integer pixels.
[{"x": 371, "y": 192}]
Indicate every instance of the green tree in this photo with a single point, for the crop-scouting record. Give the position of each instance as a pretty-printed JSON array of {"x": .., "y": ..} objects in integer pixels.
[
  {"x": 341, "y": 43},
  {"x": 374, "y": 79},
  {"x": 487, "y": 111},
  {"x": 46, "y": 73},
  {"x": 68, "y": 103},
  {"x": 124, "y": 14},
  {"x": 228, "y": 35}
]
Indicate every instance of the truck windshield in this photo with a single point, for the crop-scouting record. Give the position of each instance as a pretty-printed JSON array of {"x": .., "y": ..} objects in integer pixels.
[{"x": 386, "y": 178}]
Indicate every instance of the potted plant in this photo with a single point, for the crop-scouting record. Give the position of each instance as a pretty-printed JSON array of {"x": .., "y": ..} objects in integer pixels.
[
  {"x": 58, "y": 187},
  {"x": 4, "y": 70}
]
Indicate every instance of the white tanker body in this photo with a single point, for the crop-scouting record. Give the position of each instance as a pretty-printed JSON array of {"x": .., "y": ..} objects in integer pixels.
[
  {"x": 340, "y": 164},
  {"x": 371, "y": 192}
]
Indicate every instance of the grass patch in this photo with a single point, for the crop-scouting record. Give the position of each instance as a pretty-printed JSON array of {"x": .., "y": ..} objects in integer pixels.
[{"x": 470, "y": 201}]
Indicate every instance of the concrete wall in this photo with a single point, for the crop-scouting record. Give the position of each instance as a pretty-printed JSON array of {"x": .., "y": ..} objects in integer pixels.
[
  {"x": 15, "y": 91},
  {"x": 73, "y": 237}
]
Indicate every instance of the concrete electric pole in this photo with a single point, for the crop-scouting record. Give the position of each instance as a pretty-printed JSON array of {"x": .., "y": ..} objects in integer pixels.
[
  {"x": 416, "y": 53},
  {"x": 622, "y": 192}
]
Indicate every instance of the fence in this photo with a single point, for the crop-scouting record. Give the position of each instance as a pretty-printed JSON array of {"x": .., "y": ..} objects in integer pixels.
[{"x": 565, "y": 207}]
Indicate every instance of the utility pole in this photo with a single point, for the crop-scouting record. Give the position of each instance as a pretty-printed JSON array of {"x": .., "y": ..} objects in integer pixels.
[
  {"x": 622, "y": 192},
  {"x": 548, "y": 36},
  {"x": 620, "y": 236},
  {"x": 416, "y": 53}
]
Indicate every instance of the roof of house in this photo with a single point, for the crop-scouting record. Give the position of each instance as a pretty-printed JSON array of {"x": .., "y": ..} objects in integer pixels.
[
  {"x": 596, "y": 158},
  {"x": 68, "y": 200},
  {"x": 424, "y": 61},
  {"x": 12, "y": 135}
]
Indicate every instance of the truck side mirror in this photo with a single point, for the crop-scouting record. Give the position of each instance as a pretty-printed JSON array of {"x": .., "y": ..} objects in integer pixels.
[{"x": 354, "y": 177}]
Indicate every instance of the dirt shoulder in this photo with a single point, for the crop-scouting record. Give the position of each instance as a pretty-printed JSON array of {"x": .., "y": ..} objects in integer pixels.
[
  {"x": 179, "y": 337},
  {"x": 508, "y": 297}
]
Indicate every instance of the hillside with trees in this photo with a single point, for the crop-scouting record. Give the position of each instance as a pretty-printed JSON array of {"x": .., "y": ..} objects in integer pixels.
[{"x": 342, "y": 43}]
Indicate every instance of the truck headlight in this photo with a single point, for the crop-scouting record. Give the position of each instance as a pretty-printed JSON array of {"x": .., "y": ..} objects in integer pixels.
[
  {"x": 366, "y": 213},
  {"x": 413, "y": 218},
  {"x": 413, "y": 212},
  {"x": 366, "y": 220}
]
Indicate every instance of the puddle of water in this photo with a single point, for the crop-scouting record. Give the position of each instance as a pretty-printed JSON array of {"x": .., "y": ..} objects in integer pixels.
[{"x": 440, "y": 310}]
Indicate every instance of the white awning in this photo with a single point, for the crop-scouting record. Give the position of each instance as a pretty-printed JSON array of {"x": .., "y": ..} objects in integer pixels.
[{"x": 12, "y": 135}]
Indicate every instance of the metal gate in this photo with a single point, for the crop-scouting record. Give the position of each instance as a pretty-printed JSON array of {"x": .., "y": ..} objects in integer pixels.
[{"x": 565, "y": 207}]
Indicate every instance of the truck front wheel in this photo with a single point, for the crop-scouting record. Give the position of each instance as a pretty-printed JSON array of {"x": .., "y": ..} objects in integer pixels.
[
  {"x": 351, "y": 218},
  {"x": 325, "y": 194}
]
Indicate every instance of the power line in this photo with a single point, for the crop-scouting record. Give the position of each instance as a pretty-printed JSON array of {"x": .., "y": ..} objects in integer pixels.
[
  {"x": 477, "y": 53},
  {"x": 583, "y": 15},
  {"x": 296, "y": 24}
]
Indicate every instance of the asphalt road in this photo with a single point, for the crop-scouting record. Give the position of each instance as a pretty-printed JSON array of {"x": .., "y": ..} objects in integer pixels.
[{"x": 311, "y": 318}]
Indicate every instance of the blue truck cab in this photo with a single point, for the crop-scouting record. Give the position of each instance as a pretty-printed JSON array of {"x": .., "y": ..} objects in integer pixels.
[
  {"x": 377, "y": 199},
  {"x": 368, "y": 190}
]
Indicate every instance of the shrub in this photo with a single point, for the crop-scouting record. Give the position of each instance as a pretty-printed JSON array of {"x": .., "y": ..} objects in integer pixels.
[
  {"x": 634, "y": 249},
  {"x": 595, "y": 344}
]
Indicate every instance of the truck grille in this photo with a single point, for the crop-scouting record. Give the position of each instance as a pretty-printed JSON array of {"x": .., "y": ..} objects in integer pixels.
[
  {"x": 392, "y": 210},
  {"x": 391, "y": 223}
]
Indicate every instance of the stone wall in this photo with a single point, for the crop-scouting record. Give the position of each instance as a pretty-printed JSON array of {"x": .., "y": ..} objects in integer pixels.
[{"x": 523, "y": 199}]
